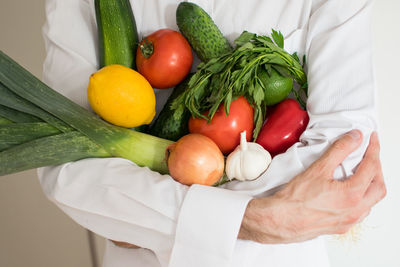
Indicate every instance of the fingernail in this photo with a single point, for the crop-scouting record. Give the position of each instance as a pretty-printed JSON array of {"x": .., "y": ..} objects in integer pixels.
[{"x": 354, "y": 134}]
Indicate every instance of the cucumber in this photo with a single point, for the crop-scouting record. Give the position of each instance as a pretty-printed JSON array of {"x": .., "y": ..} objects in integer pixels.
[
  {"x": 172, "y": 124},
  {"x": 201, "y": 32},
  {"x": 117, "y": 33}
]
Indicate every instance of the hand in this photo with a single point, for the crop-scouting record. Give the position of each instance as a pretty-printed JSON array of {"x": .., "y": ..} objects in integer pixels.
[
  {"x": 124, "y": 244},
  {"x": 313, "y": 203}
]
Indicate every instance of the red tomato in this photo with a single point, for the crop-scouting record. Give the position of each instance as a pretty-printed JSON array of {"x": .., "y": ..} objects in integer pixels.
[
  {"x": 164, "y": 58},
  {"x": 225, "y": 130}
]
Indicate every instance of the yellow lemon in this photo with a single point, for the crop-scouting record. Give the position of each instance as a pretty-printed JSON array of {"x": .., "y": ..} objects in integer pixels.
[{"x": 121, "y": 96}]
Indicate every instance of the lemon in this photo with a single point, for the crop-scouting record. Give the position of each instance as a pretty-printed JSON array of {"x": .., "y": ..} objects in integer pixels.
[
  {"x": 277, "y": 87},
  {"x": 121, "y": 96}
]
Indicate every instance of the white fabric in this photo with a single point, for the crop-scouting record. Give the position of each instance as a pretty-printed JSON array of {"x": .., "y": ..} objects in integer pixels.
[{"x": 182, "y": 226}]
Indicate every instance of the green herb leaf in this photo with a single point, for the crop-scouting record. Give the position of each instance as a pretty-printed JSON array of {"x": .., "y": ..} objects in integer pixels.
[
  {"x": 265, "y": 40},
  {"x": 250, "y": 89},
  {"x": 228, "y": 100},
  {"x": 268, "y": 68},
  {"x": 216, "y": 67},
  {"x": 246, "y": 46},
  {"x": 242, "y": 62},
  {"x": 274, "y": 59},
  {"x": 194, "y": 79},
  {"x": 258, "y": 94},
  {"x": 247, "y": 77},
  {"x": 304, "y": 61},
  {"x": 244, "y": 38},
  {"x": 178, "y": 111},
  {"x": 282, "y": 71},
  {"x": 258, "y": 121},
  {"x": 278, "y": 38},
  {"x": 200, "y": 65},
  {"x": 296, "y": 57}
]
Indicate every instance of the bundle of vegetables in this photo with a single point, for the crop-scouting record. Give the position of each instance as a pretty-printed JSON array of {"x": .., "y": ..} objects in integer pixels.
[
  {"x": 40, "y": 127},
  {"x": 232, "y": 87},
  {"x": 256, "y": 63}
]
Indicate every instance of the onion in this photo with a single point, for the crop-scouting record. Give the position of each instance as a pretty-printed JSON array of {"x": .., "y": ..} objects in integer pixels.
[{"x": 195, "y": 159}]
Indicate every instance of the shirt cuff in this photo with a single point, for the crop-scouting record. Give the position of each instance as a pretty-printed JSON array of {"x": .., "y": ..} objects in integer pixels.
[{"x": 208, "y": 226}]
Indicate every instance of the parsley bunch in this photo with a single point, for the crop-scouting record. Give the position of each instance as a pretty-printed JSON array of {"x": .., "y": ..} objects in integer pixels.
[{"x": 242, "y": 73}]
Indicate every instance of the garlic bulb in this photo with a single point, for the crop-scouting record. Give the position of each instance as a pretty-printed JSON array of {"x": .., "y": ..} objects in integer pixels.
[{"x": 248, "y": 161}]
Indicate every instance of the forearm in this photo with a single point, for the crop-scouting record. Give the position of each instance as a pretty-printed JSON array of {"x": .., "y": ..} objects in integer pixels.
[
  {"x": 120, "y": 201},
  {"x": 259, "y": 215},
  {"x": 270, "y": 220},
  {"x": 116, "y": 199}
]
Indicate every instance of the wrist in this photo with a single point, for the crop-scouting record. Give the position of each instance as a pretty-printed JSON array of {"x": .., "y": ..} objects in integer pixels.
[
  {"x": 271, "y": 220},
  {"x": 259, "y": 221}
]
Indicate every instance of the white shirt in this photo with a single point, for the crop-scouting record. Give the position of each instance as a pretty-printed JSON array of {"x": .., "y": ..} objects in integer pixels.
[{"x": 183, "y": 226}]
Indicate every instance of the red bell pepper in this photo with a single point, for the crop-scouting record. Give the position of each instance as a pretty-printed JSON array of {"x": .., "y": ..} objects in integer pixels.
[{"x": 283, "y": 127}]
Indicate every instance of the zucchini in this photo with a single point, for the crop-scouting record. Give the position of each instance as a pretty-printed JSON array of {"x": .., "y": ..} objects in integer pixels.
[
  {"x": 172, "y": 124},
  {"x": 117, "y": 33},
  {"x": 201, "y": 32}
]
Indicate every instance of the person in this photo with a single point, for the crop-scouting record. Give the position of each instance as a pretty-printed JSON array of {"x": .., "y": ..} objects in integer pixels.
[{"x": 315, "y": 188}]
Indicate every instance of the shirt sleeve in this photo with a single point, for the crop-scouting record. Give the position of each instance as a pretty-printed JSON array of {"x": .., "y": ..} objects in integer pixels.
[
  {"x": 341, "y": 87},
  {"x": 112, "y": 196},
  {"x": 341, "y": 78}
]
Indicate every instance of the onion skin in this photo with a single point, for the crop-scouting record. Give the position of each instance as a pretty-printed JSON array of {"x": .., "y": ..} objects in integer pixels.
[{"x": 195, "y": 159}]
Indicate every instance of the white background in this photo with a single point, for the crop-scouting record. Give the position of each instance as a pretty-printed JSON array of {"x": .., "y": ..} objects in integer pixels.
[{"x": 35, "y": 233}]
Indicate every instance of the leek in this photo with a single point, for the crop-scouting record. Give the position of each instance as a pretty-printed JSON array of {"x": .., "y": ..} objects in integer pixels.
[
  {"x": 11, "y": 100},
  {"x": 89, "y": 136},
  {"x": 4, "y": 121},
  {"x": 18, "y": 133},
  {"x": 52, "y": 150},
  {"x": 16, "y": 116}
]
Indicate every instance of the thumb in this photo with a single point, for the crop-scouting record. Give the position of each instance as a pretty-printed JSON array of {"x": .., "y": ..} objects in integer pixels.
[{"x": 340, "y": 149}]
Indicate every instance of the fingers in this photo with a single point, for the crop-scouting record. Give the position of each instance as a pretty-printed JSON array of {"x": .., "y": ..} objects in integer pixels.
[
  {"x": 367, "y": 182},
  {"x": 339, "y": 150},
  {"x": 369, "y": 167},
  {"x": 124, "y": 244},
  {"x": 376, "y": 189},
  {"x": 375, "y": 192}
]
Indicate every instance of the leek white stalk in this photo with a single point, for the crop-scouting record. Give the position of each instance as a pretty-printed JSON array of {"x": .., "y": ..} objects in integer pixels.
[{"x": 248, "y": 161}]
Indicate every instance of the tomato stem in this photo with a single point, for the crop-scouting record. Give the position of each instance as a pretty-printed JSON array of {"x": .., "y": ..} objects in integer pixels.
[{"x": 146, "y": 48}]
